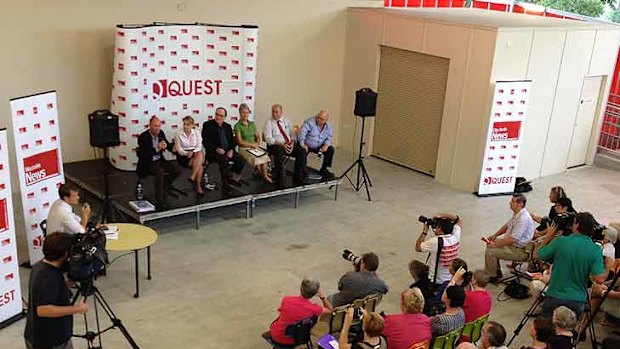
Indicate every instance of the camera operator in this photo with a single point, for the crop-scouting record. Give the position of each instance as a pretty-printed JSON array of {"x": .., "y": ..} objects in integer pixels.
[
  {"x": 518, "y": 232},
  {"x": 571, "y": 271},
  {"x": 49, "y": 323},
  {"x": 359, "y": 284},
  {"x": 448, "y": 229},
  {"x": 61, "y": 217}
]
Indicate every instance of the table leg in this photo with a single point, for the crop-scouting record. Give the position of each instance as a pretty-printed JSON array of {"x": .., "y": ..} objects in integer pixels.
[
  {"x": 137, "y": 294},
  {"x": 148, "y": 262},
  {"x": 296, "y": 199}
]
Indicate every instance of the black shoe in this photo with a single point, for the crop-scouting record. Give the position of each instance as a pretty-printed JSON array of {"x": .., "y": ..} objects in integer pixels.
[
  {"x": 300, "y": 180},
  {"x": 162, "y": 207},
  {"x": 327, "y": 175}
]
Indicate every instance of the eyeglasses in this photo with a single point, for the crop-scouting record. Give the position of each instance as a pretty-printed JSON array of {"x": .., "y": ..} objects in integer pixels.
[{"x": 220, "y": 115}]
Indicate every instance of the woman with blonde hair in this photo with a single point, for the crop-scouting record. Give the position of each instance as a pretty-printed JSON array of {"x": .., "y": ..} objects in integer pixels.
[
  {"x": 410, "y": 327},
  {"x": 190, "y": 153},
  {"x": 372, "y": 325},
  {"x": 249, "y": 138}
]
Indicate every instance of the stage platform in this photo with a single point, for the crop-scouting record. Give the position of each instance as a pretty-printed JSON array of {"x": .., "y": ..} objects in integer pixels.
[{"x": 89, "y": 176}]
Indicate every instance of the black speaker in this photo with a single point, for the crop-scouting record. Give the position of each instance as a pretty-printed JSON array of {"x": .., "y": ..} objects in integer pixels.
[
  {"x": 365, "y": 102},
  {"x": 103, "y": 129}
]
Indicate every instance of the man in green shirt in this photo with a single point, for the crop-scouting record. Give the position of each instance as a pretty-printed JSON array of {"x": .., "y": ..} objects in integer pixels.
[{"x": 576, "y": 259}]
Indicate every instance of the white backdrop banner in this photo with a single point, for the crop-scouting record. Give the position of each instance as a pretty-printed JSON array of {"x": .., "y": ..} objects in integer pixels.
[
  {"x": 39, "y": 162},
  {"x": 503, "y": 146},
  {"x": 10, "y": 292},
  {"x": 171, "y": 71}
]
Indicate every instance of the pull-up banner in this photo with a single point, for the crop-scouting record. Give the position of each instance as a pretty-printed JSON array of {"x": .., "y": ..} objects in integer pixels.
[
  {"x": 501, "y": 154},
  {"x": 172, "y": 71},
  {"x": 10, "y": 292},
  {"x": 39, "y": 162}
]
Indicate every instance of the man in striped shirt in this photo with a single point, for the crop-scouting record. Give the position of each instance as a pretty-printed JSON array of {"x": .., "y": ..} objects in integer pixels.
[{"x": 449, "y": 230}]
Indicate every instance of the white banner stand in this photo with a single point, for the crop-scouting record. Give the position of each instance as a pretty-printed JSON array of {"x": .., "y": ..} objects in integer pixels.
[
  {"x": 503, "y": 146},
  {"x": 10, "y": 292},
  {"x": 39, "y": 162}
]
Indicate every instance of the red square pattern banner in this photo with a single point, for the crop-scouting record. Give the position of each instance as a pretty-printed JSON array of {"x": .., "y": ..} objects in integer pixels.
[
  {"x": 39, "y": 166},
  {"x": 172, "y": 71},
  {"x": 10, "y": 291}
]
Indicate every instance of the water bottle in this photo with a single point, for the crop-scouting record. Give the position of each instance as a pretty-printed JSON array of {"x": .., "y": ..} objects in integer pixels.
[{"x": 139, "y": 192}]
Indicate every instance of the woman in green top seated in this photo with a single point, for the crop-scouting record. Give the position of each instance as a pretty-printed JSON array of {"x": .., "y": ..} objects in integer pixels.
[{"x": 249, "y": 138}]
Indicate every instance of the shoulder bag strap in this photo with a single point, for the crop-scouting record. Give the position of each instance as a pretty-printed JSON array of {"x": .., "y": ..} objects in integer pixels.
[{"x": 439, "y": 248}]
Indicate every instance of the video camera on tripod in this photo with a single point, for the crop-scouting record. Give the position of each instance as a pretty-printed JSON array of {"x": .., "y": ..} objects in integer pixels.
[{"x": 87, "y": 255}]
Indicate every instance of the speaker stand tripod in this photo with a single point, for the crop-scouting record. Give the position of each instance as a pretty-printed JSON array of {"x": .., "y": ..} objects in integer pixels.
[
  {"x": 363, "y": 179},
  {"x": 107, "y": 205}
]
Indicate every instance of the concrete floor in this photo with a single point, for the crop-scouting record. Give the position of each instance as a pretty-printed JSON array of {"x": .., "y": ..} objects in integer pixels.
[{"x": 220, "y": 286}]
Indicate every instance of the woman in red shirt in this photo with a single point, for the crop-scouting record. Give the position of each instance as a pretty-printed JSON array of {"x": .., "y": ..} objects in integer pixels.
[{"x": 410, "y": 327}]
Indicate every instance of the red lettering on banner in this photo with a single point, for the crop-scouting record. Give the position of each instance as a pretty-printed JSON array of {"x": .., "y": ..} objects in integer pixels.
[
  {"x": 184, "y": 61},
  {"x": 173, "y": 37},
  {"x": 235, "y": 47},
  {"x": 39, "y": 142},
  {"x": 250, "y": 39},
  {"x": 497, "y": 180},
  {"x": 512, "y": 91},
  {"x": 37, "y": 126},
  {"x": 152, "y": 70},
  {"x": 234, "y": 77},
  {"x": 195, "y": 53},
  {"x": 120, "y": 50},
  {"x": 184, "y": 46},
  {"x": 120, "y": 34},
  {"x": 210, "y": 31},
  {"x": 159, "y": 31},
  {"x": 210, "y": 105},
  {"x": 6, "y": 242},
  {"x": 173, "y": 88},
  {"x": 144, "y": 50},
  {"x": 123, "y": 143},
  {"x": 20, "y": 112},
  {"x": 134, "y": 73},
  {"x": 506, "y": 131},
  {"x": 234, "y": 105},
  {"x": 34, "y": 226},
  {"x": 196, "y": 111},
  {"x": 210, "y": 61},
  {"x": 135, "y": 106},
  {"x": 121, "y": 82},
  {"x": 35, "y": 110},
  {"x": 234, "y": 91},
  {"x": 174, "y": 67},
  {"x": 133, "y": 58},
  {"x": 121, "y": 98},
  {"x": 195, "y": 37},
  {"x": 184, "y": 31},
  {"x": 152, "y": 39},
  {"x": 223, "y": 38},
  {"x": 122, "y": 157},
  {"x": 37, "y": 242},
  {"x": 249, "y": 83},
  {"x": 210, "y": 46},
  {"x": 161, "y": 47},
  {"x": 235, "y": 32},
  {"x": 133, "y": 42},
  {"x": 248, "y": 98},
  {"x": 195, "y": 67},
  {"x": 24, "y": 146},
  {"x": 9, "y": 277},
  {"x": 134, "y": 90},
  {"x": 235, "y": 62},
  {"x": 41, "y": 166},
  {"x": 22, "y": 130},
  {"x": 30, "y": 195},
  {"x": 122, "y": 114},
  {"x": 222, "y": 67},
  {"x": 223, "y": 53},
  {"x": 184, "y": 106},
  {"x": 250, "y": 54},
  {"x": 7, "y": 259},
  {"x": 151, "y": 55},
  {"x": 44, "y": 190},
  {"x": 4, "y": 216},
  {"x": 249, "y": 69}
]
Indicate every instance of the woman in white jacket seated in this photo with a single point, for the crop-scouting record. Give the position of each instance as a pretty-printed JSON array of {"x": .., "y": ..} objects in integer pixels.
[{"x": 190, "y": 153}]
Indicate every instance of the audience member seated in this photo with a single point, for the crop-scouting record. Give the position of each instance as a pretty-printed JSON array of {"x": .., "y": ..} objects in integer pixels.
[
  {"x": 571, "y": 271},
  {"x": 372, "y": 325},
  {"x": 555, "y": 194},
  {"x": 478, "y": 300},
  {"x": 540, "y": 281},
  {"x": 456, "y": 265},
  {"x": 610, "y": 238},
  {"x": 190, "y": 153},
  {"x": 315, "y": 136},
  {"x": 493, "y": 336},
  {"x": 541, "y": 331},
  {"x": 454, "y": 317},
  {"x": 449, "y": 231},
  {"x": 249, "y": 138},
  {"x": 419, "y": 273},
  {"x": 296, "y": 308},
  {"x": 518, "y": 232},
  {"x": 562, "y": 207},
  {"x": 564, "y": 321},
  {"x": 61, "y": 218},
  {"x": 280, "y": 139},
  {"x": 410, "y": 327},
  {"x": 219, "y": 143},
  {"x": 151, "y": 146},
  {"x": 359, "y": 284}
]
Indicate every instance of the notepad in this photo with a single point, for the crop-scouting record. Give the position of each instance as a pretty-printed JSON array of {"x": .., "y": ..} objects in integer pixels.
[
  {"x": 258, "y": 152},
  {"x": 142, "y": 206}
]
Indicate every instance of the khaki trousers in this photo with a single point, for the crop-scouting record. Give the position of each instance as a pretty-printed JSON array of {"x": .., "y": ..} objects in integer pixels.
[{"x": 492, "y": 257}]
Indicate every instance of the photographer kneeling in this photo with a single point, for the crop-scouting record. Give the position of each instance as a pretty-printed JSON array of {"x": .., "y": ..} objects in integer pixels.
[
  {"x": 361, "y": 282},
  {"x": 49, "y": 321}
]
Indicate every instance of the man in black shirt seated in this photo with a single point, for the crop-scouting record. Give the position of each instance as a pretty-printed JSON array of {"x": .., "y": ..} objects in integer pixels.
[
  {"x": 151, "y": 146},
  {"x": 219, "y": 143},
  {"x": 49, "y": 323}
]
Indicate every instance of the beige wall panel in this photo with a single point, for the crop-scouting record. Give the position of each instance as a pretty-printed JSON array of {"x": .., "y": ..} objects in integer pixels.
[
  {"x": 511, "y": 54},
  {"x": 575, "y": 62},
  {"x": 543, "y": 70},
  {"x": 457, "y": 50},
  {"x": 605, "y": 53},
  {"x": 474, "y": 115},
  {"x": 404, "y": 33},
  {"x": 364, "y": 33}
]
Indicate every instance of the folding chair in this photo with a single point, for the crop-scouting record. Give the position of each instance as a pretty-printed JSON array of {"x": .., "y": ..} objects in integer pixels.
[
  {"x": 448, "y": 340},
  {"x": 300, "y": 332},
  {"x": 472, "y": 330}
]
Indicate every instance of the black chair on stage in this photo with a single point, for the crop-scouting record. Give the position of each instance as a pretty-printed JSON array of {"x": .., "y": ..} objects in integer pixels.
[{"x": 300, "y": 332}]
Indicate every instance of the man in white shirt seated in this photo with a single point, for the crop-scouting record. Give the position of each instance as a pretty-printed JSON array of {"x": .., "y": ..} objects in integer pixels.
[
  {"x": 61, "y": 218},
  {"x": 281, "y": 140},
  {"x": 518, "y": 232}
]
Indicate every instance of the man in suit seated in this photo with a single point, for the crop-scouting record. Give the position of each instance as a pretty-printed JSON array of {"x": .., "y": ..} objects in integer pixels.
[
  {"x": 316, "y": 137},
  {"x": 219, "y": 144},
  {"x": 280, "y": 139},
  {"x": 151, "y": 146}
]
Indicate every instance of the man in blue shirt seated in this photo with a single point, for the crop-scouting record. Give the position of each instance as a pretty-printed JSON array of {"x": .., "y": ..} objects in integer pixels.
[{"x": 316, "y": 136}]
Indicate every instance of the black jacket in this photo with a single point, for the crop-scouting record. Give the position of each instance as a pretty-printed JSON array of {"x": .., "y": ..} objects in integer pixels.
[
  {"x": 146, "y": 151},
  {"x": 211, "y": 136}
]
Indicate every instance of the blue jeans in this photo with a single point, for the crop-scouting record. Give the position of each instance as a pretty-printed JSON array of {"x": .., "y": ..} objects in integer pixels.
[{"x": 551, "y": 303}]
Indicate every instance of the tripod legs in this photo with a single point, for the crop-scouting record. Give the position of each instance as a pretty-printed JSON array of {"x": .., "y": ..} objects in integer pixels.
[
  {"x": 362, "y": 177},
  {"x": 525, "y": 319}
]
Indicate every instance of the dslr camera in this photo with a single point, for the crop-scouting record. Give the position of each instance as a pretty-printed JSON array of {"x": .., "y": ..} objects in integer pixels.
[
  {"x": 353, "y": 258},
  {"x": 87, "y": 255},
  {"x": 435, "y": 221}
]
